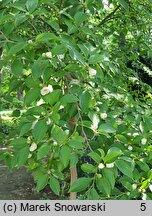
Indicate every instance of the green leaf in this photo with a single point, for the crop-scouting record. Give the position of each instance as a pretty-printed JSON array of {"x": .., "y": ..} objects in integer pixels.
[
  {"x": 43, "y": 150},
  {"x": 31, "y": 96},
  {"x": 103, "y": 185},
  {"x": 95, "y": 157},
  {"x": 89, "y": 168},
  {"x": 45, "y": 37},
  {"x": 54, "y": 25},
  {"x": 107, "y": 127},
  {"x": 42, "y": 182},
  {"x": 65, "y": 155},
  {"x": 73, "y": 159},
  {"x": 143, "y": 166},
  {"x": 94, "y": 59},
  {"x": 31, "y": 5},
  {"x": 16, "y": 48},
  {"x": 102, "y": 153},
  {"x": 80, "y": 17},
  {"x": 125, "y": 181},
  {"x": 145, "y": 184},
  {"x": 16, "y": 113},
  {"x": 39, "y": 131},
  {"x": 19, "y": 143},
  {"x": 25, "y": 128},
  {"x": 122, "y": 138},
  {"x": 112, "y": 155},
  {"x": 53, "y": 97},
  {"x": 58, "y": 134},
  {"x": 75, "y": 54},
  {"x": 109, "y": 175},
  {"x": 85, "y": 100},
  {"x": 54, "y": 185},
  {"x": 80, "y": 184},
  {"x": 69, "y": 98},
  {"x": 17, "y": 68},
  {"x": 59, "y": 49},
  {"x": 31, "y": 83},
  {"x": 22, "y": 156},
  {"x": 76, "y": 142},
  {"x": 124, "y": 168},
  {"x": 124, "y": 4},
  {"x": 36, "y": 70},
  {"x": 93, "y": 195}
]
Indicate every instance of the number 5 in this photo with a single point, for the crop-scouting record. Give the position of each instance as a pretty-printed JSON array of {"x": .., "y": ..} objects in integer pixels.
[{"x": 143, "y": 207}]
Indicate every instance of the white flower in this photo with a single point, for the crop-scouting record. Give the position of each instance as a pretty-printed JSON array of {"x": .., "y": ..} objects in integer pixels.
[
  {"x": 48, "y": 55},
  {"x": 143, "y": 141},
  {"x": 48, "y": 121},
  {"x": 144, "y": 196},
  {"x": 75, "y": 81},
  {"x": 30, "y": 155},
  {"x": 134, "y": 186},
  {"x": 61, "y": 56},
  {"x": 110, "y": 165},
  {"x": 101, "y": 166},
  {"x": 135, "y": 134},
  {"x": 40, "y": 102},
  {"x": 92, "y": 72},
  {"x": 34, "y": 123},
  {"x": 129, "y": 134},
  {"x": 150, "y": 187},
  {"x": 33, "y": 147},
  {"x": 139, "y": 190},
  {"x": 46, "y": 90},
  {"x": 61, "y": 107},
  {"x": 103, "y": 115},
  {"x": 130, "y": 148}
]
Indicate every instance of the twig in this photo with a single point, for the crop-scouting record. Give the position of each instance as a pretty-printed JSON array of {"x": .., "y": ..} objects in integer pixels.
[
  {"x": 7, "y": 40},
  {"x": 108, "y": 16},
  {"x": 82, "y": 128},
  {"x": 52, "y": 29}
]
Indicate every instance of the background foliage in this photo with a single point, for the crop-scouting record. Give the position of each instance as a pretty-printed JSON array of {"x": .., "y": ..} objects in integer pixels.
[{"x": 78, "y": 78}]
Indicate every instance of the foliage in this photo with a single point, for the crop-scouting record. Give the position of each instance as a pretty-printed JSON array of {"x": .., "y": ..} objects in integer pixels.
[{"x": 82, "y": 108}]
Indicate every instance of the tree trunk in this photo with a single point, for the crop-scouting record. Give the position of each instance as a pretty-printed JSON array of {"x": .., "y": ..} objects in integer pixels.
[{"x": 73, "y": 172}]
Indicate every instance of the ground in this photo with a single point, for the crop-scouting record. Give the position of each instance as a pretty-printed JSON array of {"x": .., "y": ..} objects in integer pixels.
[{"x": 19, "y": 185}]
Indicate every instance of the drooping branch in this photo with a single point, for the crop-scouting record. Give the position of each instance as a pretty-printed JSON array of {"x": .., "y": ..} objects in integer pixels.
[{"x": 108, "y": 16}]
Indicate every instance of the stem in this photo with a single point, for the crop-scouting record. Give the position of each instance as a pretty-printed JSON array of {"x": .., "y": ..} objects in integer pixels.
[
  {"x": 82, "y": 128},
  {"x": 108, "y": 16}
]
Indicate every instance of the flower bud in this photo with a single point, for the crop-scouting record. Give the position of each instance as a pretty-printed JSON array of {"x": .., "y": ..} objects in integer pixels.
[
  {"x": 48, "y": 121},
  {"x": 48, "y": 55},
  {"x": 101, "y": 166},
  {"x": 134, "y": 186},
  {"x": 144, "y": 196},
  {"x": 143, "y": 141},
  {"x": 103, "y": 115},
  {"x": 110, "y": 165},
  {"x": 92, "y": 72},
  {"x": 130, "y": 148},
  {"x": 33, "y": 147}
]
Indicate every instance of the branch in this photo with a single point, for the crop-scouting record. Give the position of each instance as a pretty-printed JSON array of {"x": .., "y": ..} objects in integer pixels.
[
  {"x": 43, "y": 20},
  {"x": 108, "y": 16}
]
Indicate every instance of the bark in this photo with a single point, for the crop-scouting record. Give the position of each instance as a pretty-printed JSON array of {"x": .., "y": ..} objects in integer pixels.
[{"x": 73, "y": 172}]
